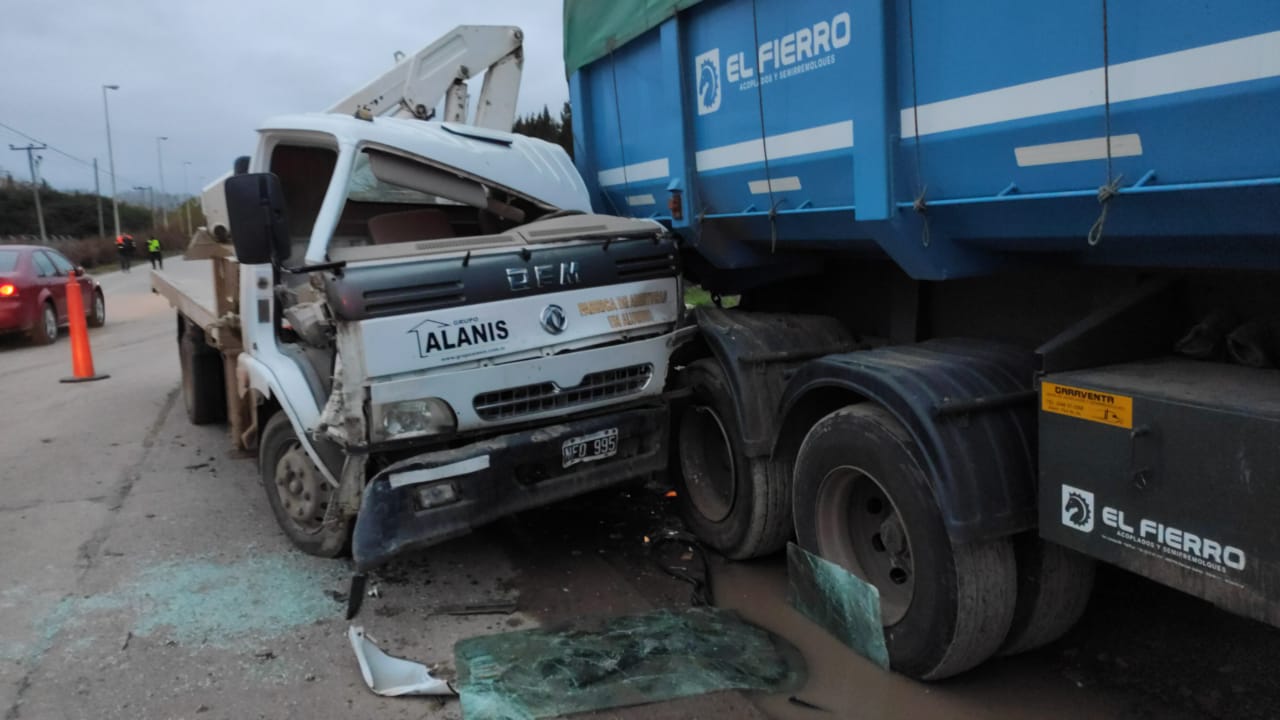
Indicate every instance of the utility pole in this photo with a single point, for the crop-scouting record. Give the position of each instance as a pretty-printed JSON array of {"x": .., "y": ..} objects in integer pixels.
[
  {"x": 35, "y": 184},
  {"x": 186, "y": 194},
  {"x": 160, "y": 167},
  {"x": 111, "y": 158},
  {"x": 97, "y": 192}
]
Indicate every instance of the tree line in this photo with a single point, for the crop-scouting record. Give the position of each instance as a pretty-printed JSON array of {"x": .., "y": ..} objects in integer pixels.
[
  {"x": 544, "y": 126},
  {"x": 65, "y": 213}
]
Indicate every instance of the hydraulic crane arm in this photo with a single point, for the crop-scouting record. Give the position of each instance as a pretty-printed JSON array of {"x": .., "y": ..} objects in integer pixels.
[{"x": 440, "y": 70}]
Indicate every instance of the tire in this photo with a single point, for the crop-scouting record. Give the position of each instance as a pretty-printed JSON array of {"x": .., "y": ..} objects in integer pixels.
[
  {"x": 203, "y": 385},
  {"x": 737, "y": 505},
  {"x": 864, "y": 500},
  {"x": 1054, "y": 585},
  {"x": 45, "y": 331},
  {"x": 98, "y": 310},
  {"x": 298, "y": 494}
]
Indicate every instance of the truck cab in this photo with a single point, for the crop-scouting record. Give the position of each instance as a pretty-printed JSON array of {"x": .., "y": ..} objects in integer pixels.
[{"x": 437, "y": 331}]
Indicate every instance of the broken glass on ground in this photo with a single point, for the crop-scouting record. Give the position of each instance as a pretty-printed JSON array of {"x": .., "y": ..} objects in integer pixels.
[
  {"x": 837, "y": 601},
  {"x": 620, "y": 661}
]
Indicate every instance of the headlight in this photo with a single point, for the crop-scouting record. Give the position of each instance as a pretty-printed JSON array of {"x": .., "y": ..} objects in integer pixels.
[{"x": 412, "y": 418}]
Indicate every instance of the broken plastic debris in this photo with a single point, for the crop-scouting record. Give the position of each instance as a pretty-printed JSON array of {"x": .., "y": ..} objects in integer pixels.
[{"x": 392, "y": 676}]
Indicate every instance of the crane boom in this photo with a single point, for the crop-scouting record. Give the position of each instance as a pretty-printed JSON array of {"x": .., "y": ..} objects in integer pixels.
[{"x": 440, "y": 70}]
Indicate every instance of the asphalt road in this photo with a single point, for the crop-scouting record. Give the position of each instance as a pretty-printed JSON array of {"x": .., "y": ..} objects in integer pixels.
[{"x": 142, "y": 576}]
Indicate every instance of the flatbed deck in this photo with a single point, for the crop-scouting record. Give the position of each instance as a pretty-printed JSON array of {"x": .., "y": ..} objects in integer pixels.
[{"x": 188, "y": 285}]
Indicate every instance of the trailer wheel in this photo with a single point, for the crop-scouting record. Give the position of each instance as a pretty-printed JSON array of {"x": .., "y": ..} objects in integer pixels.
[
  {"x": 298, "y": 494},
  {"x": 738, "y": 505},
  {"x": 203, "y": 385},
  {"x": 1054, "y": 585},
  {"x": 863, "y": 500}
]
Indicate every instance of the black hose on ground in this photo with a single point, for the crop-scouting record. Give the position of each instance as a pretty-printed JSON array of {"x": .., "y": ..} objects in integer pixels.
[{"x": 699, "y": 577}]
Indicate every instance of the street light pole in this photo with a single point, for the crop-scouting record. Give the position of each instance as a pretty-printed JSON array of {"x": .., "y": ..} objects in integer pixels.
[
  {"x": 111, "y": 158},
  {"x": 97, "y": 193},
  {"x": 150, "y": 194},
  {"x": 186, "y": 203},
  {"x": 160, "y": 167}
]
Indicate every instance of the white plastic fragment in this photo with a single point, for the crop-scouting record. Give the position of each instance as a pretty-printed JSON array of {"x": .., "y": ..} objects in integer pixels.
[{"x": 391, "y": 676}]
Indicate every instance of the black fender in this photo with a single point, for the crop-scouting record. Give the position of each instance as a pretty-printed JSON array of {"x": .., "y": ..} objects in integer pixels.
[
  {"x": 758, "y": 351},
  {"x": 969, "y": 405}
]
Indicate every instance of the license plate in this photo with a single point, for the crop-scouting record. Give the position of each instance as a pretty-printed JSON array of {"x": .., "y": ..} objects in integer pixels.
[{"x": 587, "y": 448}]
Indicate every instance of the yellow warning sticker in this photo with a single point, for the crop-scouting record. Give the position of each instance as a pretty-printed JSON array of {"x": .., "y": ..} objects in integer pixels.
[{"x": 1092, "y": 405}]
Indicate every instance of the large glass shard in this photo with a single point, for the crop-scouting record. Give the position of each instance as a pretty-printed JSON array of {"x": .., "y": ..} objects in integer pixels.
[
  {"x": 839, "y": 602},
  {"x": 619, "y": 661}
]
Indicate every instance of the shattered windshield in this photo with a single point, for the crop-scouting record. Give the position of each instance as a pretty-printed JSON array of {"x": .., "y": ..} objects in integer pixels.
[{"x": 365, "y": 187}]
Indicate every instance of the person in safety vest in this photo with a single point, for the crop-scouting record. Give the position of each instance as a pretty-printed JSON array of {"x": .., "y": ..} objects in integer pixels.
[
  {"x": 153, "y": 253},
  {"x": 125, "y": 248}
]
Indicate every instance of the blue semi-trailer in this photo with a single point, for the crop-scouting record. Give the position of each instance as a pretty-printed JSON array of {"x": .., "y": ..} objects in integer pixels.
[{"x": 1008, "y": 290}]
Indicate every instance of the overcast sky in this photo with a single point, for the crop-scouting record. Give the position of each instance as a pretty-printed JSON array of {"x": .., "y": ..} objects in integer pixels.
[{"x": 206, "y": 73}]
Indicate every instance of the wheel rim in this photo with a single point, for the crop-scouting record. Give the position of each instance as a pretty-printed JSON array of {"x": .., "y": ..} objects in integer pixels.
[
  {"x": 303, "y": 494},
  {"x": 706, "y": 459},
  {"x": 99, "y": 308},
  {"x": 50, "y": 323},
  {"x": 860, "y": 528}
]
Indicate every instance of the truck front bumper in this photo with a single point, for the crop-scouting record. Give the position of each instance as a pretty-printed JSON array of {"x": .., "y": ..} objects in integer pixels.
[{"x": 436, "y": 496}]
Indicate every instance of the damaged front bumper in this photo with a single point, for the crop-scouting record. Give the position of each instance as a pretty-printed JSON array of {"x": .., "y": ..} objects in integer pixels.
[{"x": 436, "y": 496}]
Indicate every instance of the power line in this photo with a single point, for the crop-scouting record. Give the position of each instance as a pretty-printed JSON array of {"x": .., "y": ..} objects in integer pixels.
[
  {"x": 63, "y": 153},
  {"x": 37, "y": 140}
]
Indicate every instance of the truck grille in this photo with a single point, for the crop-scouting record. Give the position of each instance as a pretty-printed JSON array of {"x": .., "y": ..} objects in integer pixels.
[{"x": 545, "y": 397}]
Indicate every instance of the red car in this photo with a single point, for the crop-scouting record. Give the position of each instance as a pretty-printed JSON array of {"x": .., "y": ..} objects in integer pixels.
[{"x": 33, "y": 292}]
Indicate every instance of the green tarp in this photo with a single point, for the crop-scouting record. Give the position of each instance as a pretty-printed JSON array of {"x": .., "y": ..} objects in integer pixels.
[{"x": 594, "y": 28}]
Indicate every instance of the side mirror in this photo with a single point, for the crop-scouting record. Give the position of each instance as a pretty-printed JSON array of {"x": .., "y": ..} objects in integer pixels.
[
  {"x": 78, "y": 271},
  {"x": 255, "y": 209}
]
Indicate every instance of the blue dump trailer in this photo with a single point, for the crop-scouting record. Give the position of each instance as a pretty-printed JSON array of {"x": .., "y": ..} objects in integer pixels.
[{"x": 1007, "y": 281}]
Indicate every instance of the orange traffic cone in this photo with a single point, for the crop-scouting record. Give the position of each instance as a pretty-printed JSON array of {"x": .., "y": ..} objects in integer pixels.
[{"x": 81, "y": 356}]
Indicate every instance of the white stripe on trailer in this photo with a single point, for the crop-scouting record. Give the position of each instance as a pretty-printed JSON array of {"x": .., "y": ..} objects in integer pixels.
[
  {"x": 1077, "y": 150},
  {"x": 1249, "y": 58},
  {"x": 637, "y": 200},
  {"x": 823, "y": 138},
  {"x": 782, "y": 184},
  {"x": 636, "y": 172}
]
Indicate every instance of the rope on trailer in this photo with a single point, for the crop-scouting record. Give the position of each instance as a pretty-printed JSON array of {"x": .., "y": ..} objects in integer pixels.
[
  {"x": 622, "y": 153},
  {"x": 764, "y": 140},
  {"x": 1105, "y": 193},
  {"x": 1112, "y": 187},
  {"x": 920, "y": 205}
]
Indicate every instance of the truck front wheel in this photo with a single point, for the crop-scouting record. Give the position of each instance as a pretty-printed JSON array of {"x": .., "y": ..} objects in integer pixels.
[
  {"x": 863, "y": 500},
  {"x": 738, "y": 505},
  {"x": 302, "y": 501}
]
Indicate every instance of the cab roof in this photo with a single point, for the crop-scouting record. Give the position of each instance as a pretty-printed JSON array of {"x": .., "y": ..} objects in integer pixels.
[{"x": 538, "y": 170}]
